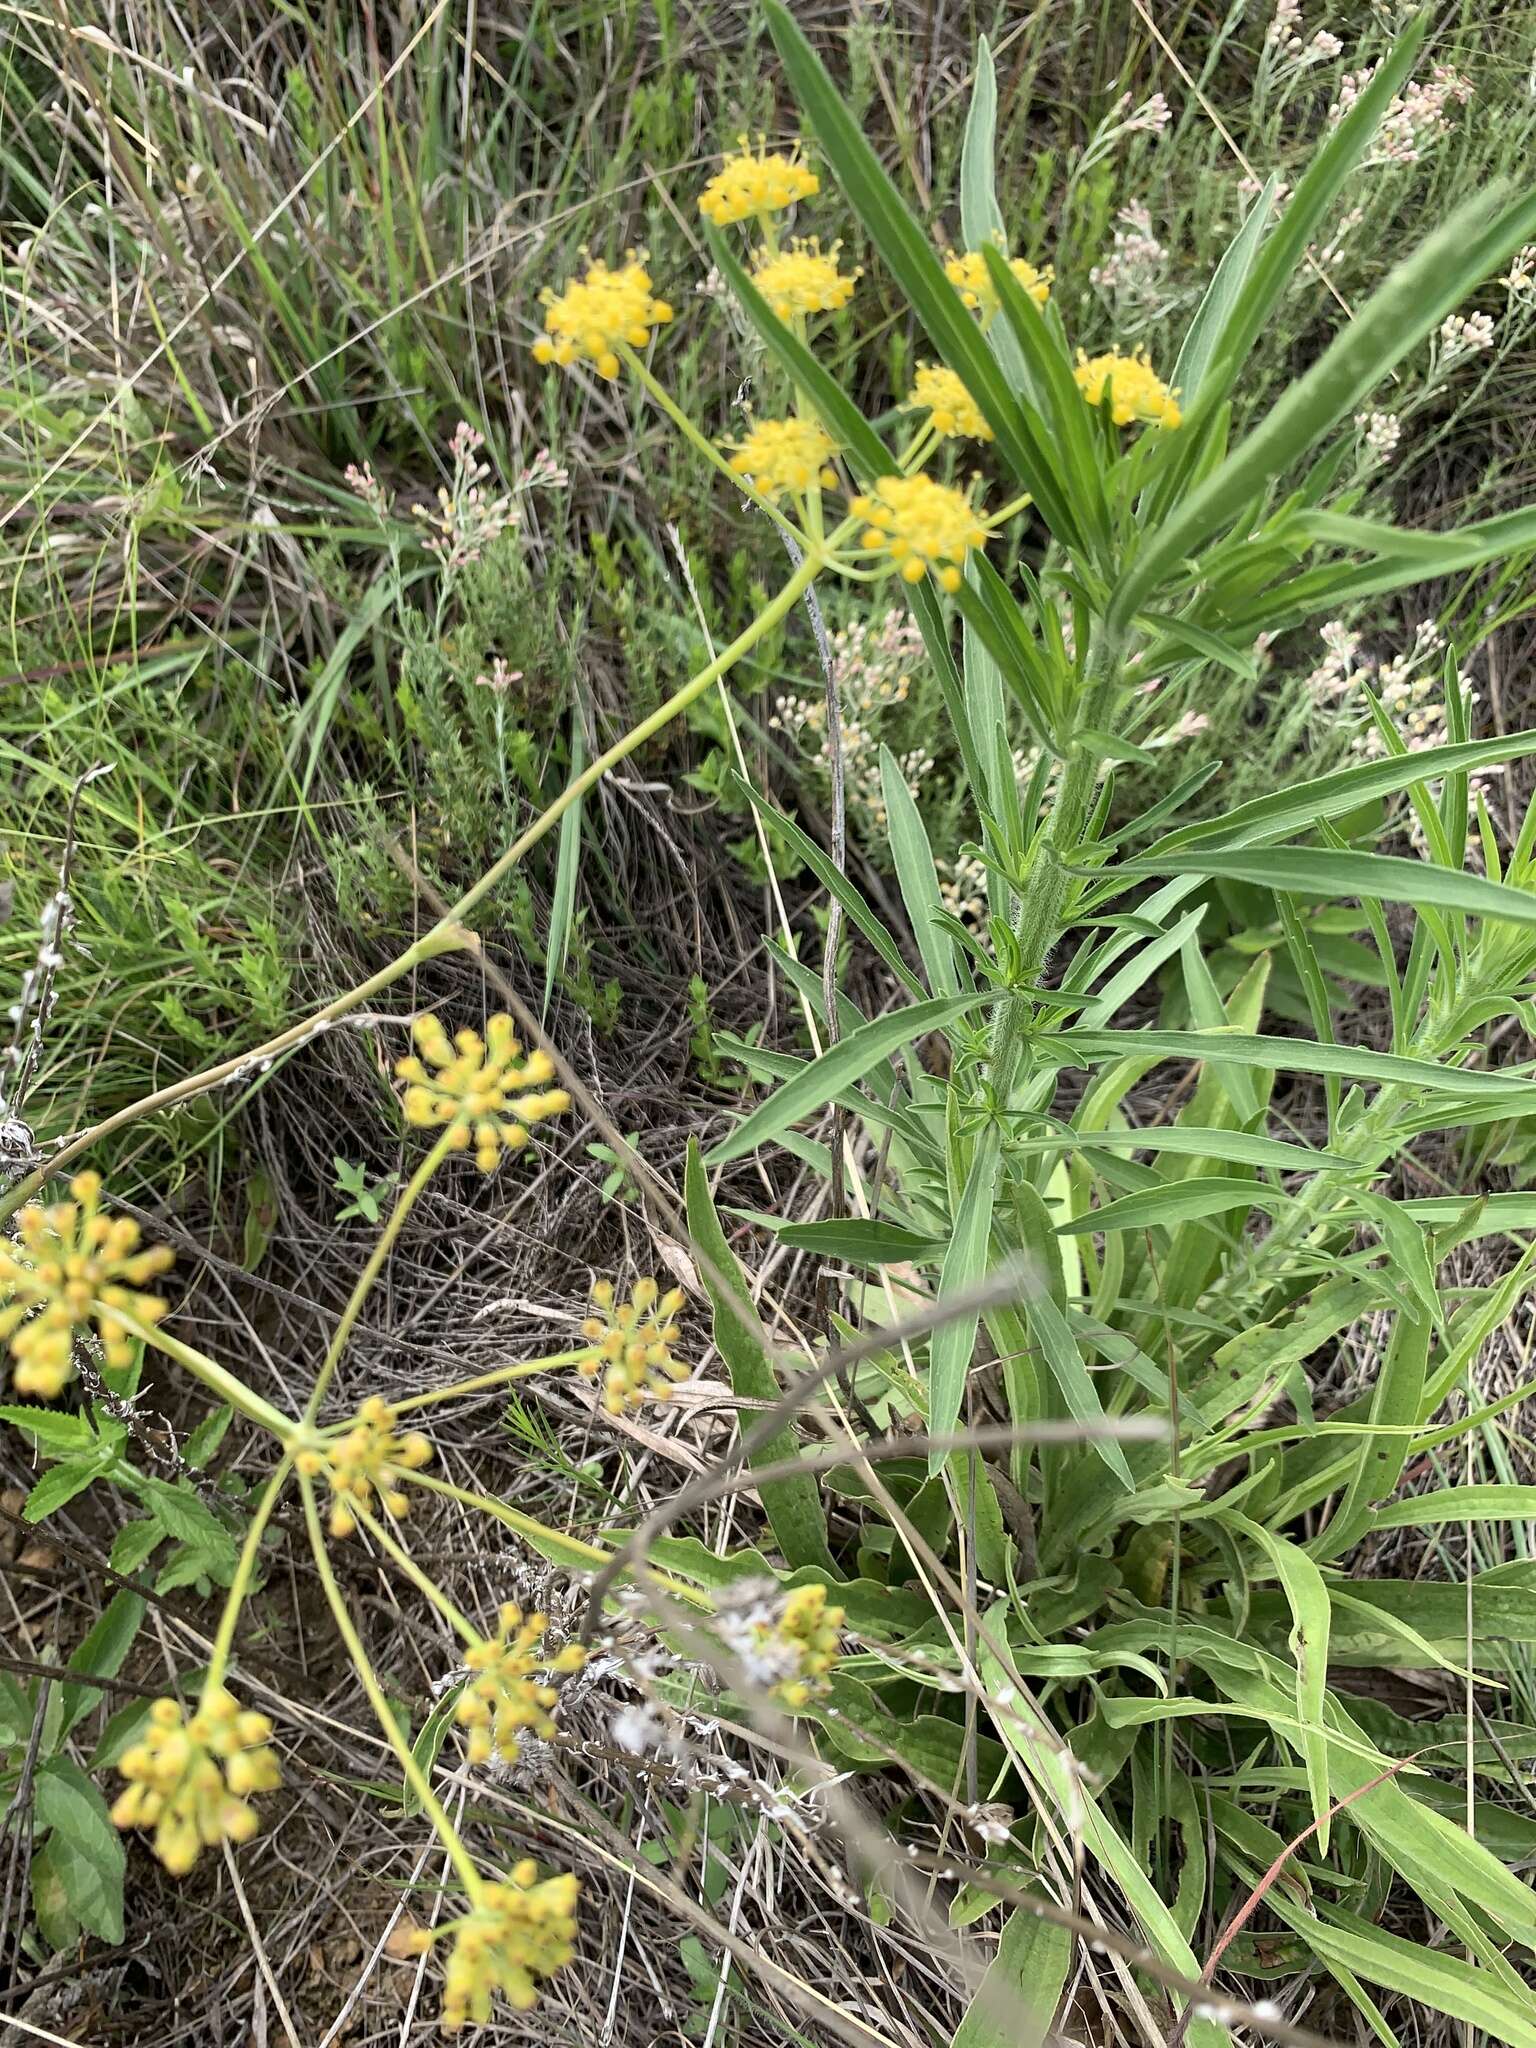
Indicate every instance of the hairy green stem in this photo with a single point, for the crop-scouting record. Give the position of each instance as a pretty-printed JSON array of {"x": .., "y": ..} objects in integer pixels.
[{"x": 1045, "y": 892}]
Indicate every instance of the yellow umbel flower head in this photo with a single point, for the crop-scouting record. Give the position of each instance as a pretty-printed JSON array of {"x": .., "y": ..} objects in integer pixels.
[
  {"x": 592, "y": 316},
  {"x": 969, "y": 275},
  {"x": 67, "y": 1266},
  {"x": 633, "y": 1342},
  {"x": 803, "y": 279},
  {"x": 516, "y": 1934},
  {"x": 483, "y": 1089},
  {"x": 1135, "y": 390},
  {"x": 749, "y": 186},
  {"x": 787, "y": 1647},
  {"x": 370, "y": 1458},
  {"x": 942, "y": 394},
  {"x": 503, "y": 1697},
  {"x": 786, "y": 455},
  {"x": 191, "y": 1781},
  {"x": 921, "y": 525}
]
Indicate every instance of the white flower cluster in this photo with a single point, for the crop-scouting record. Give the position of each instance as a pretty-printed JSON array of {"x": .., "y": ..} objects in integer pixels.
[
  {"x": 1408, "y": 686},
  {"x": 1133, "y": 268},
  {"x": 1150, "y": 118},
  {"x": 872, "y": 672},
  {"x": 1380, "y": 433},
  {"x": 1464, "y": 334},
  {"x": 963, "y": 891},
  {"x": 1520, "y": 277},
  {"x": 1415, "y": 120},
  {"x": 1284, "y": 35}
]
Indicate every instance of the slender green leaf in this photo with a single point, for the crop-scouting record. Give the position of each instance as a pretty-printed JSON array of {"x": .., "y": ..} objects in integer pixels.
[
  {"x": 1325, "y": 872},
  {"x": 1285, "y": 1055},
  {"x": 819, "y": 1081},
  {"x": 793, "y": 1505},
  {"x": 1466, "y": 247}
]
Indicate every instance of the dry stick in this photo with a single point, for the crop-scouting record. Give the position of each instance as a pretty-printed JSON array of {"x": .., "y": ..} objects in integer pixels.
[
  {"x": 1266, "y": 1884},
  {"x": 985, "y": 1436},
  {"x": 1004, "y": 1286}
]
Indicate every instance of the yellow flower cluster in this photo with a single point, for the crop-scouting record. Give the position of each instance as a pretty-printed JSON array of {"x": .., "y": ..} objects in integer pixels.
[
  {"x": 69, "y": 1265},
  {"x": 503, "y": 1697},
  {"x": 192, "y": 1780},
  {"x": 971, "y": 278},
  {"x": 921, "y": 525},
  {"x": 803, "y": 279},
  {"x": 749, "y": 186},
  {"x": 369, "y": 1459},
  {"x": 516, "y": 1933},
  {"x": 633, "y": 1341},
  {"x": 1135, "y": 390},
  {"x": 807, "y": 1632},
  {"x": 786, "y": 455},
  {"x": 483, "y": 1089},
  {"x": 942, "y": 395},
  {"x": 598, "y": 313}
]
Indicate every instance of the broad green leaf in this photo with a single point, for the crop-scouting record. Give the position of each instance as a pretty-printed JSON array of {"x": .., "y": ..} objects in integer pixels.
[
  {"x": 912, "y": 857},
  {"x": 1311, "y": 1618},
  {"x": 55, "y": 1435},
  {"x": 1246, "y": 1148},
  {"x": 1172, "y": 1202},
  {"x": 819, "y": 1081},
  {"x": 1324, "y": 872},
  {"x": 59, "y": 1485},
  {"x": 953, "y": 1343},
  {"x": 981, "y": 217},
  {"x": 793, "y": 1506},
  {"x": 1493, "y": 1503},
  {"x": 1304, "y": 804},
  {"x": 101, "y": 1654},
  {"x": 861, "y": 1241},
  {"x": 89, "y": 1859},
  {"x": 202, "y": 1445},
  {"x": 1222, "y": 301},
  {"x": 1429, "y": 1976},
  {"x": 1016, "y": 2000}
]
